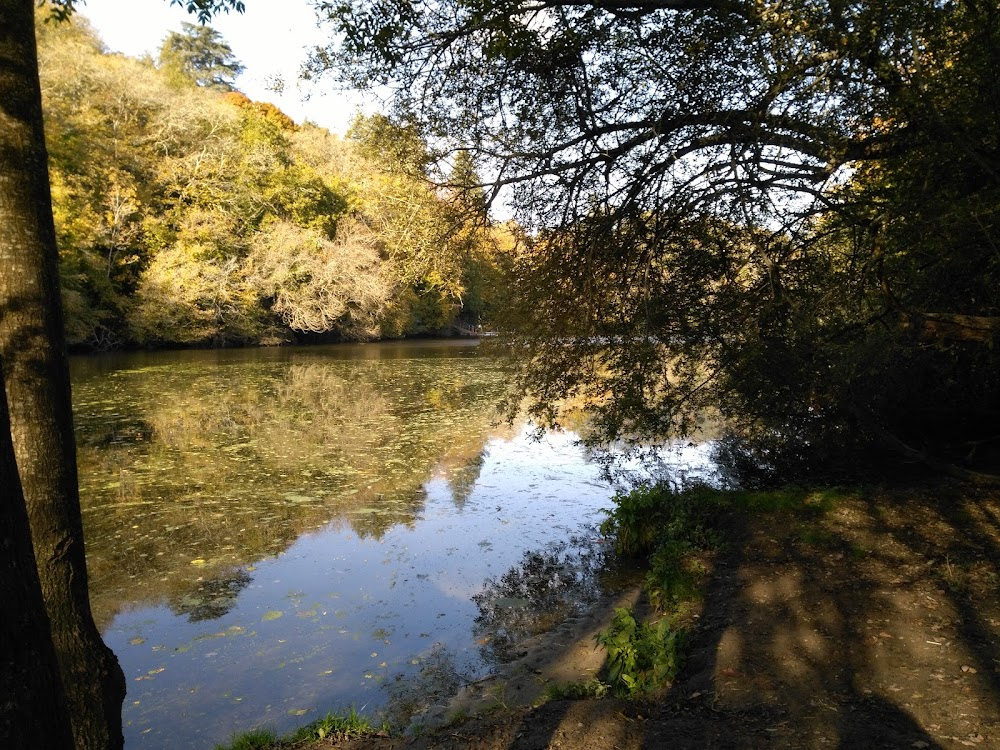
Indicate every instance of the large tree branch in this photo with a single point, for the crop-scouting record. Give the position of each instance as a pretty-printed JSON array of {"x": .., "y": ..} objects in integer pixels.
[
  {"x": 953, "y": 326},
  {"x": 751, "y": 126}
]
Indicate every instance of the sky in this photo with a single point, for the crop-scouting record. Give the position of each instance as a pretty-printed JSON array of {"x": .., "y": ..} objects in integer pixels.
[{"x": 271, "y": 39}]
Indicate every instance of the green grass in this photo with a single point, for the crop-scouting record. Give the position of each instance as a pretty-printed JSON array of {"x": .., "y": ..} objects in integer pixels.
[
  {"x": 254, "y": 739},
  {"x": 335, "y": 726},
  {"x": 331, "y": 727}
]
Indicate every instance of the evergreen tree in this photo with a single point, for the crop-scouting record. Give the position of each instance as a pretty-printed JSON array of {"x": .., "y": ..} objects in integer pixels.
[{"x": 200, "y": 54}]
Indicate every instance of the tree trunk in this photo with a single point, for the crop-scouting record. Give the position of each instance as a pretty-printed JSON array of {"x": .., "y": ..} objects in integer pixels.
[
  {"x": 33, "y": 711},
  {"x": 978, "y": 329},
  {"x": 36, "y": 378}
]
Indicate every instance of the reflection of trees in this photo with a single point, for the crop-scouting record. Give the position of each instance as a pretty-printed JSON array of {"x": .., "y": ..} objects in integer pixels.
[
  {"x": 228, "y": 463},
  {"x": 463, "y": 462},
  {"x": 462, "y": 479},
  {"x": 436, "y": 679},
  {"x": 212, "y": 598},
  {"x": 535, "y": 595}
]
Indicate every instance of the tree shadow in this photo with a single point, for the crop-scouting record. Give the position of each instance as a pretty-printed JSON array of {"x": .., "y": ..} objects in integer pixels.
[{"x": 845, "y": 631}]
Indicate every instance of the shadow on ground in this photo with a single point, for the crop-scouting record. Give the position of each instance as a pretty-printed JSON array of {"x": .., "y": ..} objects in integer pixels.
[{"x": 876, "y": 625}]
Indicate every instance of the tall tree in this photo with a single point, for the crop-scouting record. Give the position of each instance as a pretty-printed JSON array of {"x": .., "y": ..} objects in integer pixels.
[
  {"x": 28, "y": 668},
  {"x": 35, "y": 375},
  {"x": 36, "y": 379},
  {"x": 744, "y": 203},
  {"x": 200, "y": 54}
]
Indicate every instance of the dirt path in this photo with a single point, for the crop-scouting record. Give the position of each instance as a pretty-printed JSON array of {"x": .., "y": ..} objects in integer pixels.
[{"x": 877, "y": 626}]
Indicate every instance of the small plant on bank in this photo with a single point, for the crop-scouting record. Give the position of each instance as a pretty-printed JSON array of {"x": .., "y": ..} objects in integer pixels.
[
  {"x": 669, "y": 529},
  {"x": 336, "y": 726},
  {"x": 254, "y": 739},
  {"x": 331, "y": 727},
  {"x": 653, "y": 514},
  {"x": 642, "y": 657},
  {"x": 636, "y": 521}
]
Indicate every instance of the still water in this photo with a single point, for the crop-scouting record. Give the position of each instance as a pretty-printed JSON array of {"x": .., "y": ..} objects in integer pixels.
[{"x": 276, "y": 533}]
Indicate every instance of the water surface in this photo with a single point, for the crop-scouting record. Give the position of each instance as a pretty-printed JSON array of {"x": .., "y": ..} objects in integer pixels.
[{"x": 275, "y": 533}]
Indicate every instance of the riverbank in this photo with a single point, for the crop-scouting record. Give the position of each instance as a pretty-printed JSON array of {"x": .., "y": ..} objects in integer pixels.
[{"x": 875, "y": 623}]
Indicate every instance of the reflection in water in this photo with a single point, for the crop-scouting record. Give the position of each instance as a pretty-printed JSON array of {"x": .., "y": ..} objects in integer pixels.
[
  {"x": 212, "y": 598},
  {"x": 536, "y": 594},
  {"x": 462, "y": 479},
  {"x": 410, "y": 694},
  {"x": 230, "y": 462},
  {"x": 272, "y": 534}
]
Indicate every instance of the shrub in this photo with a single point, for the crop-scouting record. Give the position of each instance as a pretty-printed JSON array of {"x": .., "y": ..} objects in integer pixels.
[{"x": 642, "y": 657}]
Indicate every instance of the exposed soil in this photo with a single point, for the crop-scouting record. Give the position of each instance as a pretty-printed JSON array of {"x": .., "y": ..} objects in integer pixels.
[{"x": 876, "y": 625}]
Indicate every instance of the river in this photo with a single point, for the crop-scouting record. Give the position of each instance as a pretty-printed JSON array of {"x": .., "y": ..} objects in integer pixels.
[{"x": 276, "y": 533}]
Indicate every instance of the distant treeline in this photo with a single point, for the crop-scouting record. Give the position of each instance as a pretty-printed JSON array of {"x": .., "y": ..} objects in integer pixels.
[{"x": 188, "y": 214}]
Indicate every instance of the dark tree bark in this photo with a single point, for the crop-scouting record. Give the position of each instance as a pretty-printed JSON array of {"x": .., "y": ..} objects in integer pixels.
[
  {"x": 33, "y": 709},
  {"x": 36, "y": 378}
]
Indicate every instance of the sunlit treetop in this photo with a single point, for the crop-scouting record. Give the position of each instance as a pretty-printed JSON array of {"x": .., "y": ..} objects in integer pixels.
[{"x": 199, "y": 53}]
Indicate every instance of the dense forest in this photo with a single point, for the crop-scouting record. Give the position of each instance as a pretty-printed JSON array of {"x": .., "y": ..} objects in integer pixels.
[{"x": 188, "y": 214}]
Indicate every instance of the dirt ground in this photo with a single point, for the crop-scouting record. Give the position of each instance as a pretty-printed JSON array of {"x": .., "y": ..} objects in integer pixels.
[{"x": 876, "y": 626}]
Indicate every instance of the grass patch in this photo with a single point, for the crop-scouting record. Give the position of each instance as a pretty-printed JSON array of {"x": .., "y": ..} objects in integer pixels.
[
  {"x": 331, "y": 727},
  {"x": 335, "y": 726},
  {"x": 254, "y": 739},
  {"x": 820, "y": 538}
]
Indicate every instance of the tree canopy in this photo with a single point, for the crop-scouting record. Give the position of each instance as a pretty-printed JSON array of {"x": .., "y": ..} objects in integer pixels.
[
  {"x": 786, "y": 211},
  {"x": 188, "y": 214}
]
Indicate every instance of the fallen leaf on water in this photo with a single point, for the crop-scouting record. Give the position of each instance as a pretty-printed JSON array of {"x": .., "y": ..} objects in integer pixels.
[
  {"x": 137, "y": 641},
  {"x": 298, "y": 711},
  {"x": 272, "y": 614}
]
